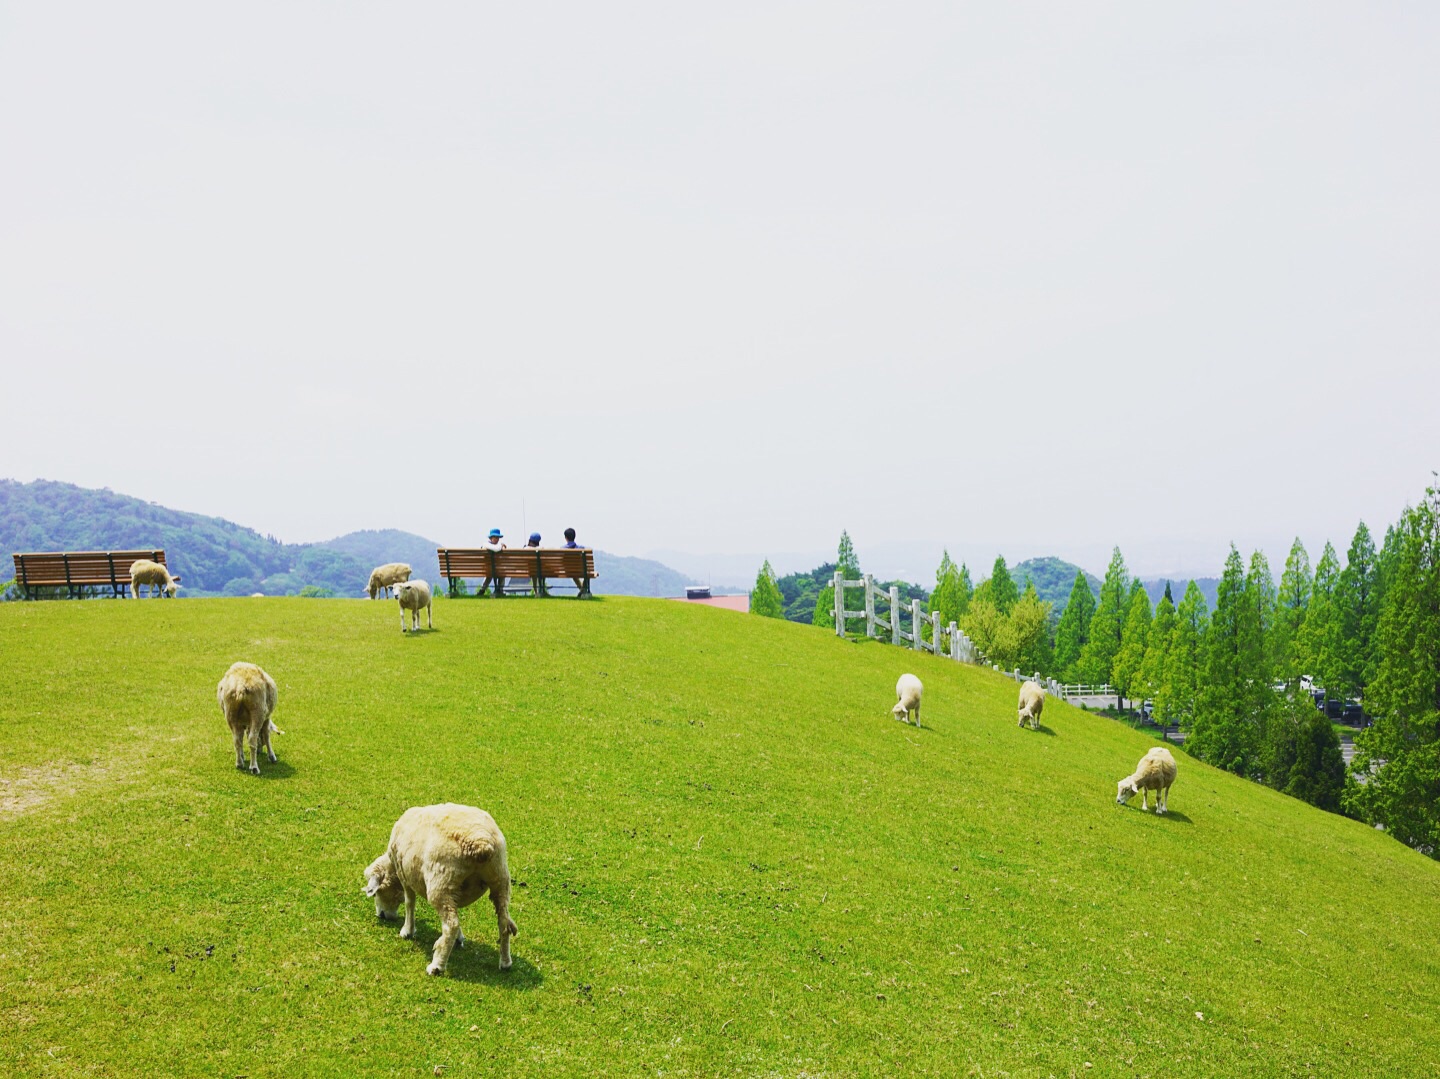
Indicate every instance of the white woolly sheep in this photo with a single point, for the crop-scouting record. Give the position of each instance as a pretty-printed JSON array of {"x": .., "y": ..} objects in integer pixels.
[
  {"x": 247, "y": 696},
  {"x": 383, "y": 577},
  {"x": 144, "y": 572},
  {"x": 1155, "y": 772},
  {"x": 1032, "y": 703},
  {"x": 451, "y": 854},
  {"x": 413, "y": 596},
  {"x": 908, "y": 689}
]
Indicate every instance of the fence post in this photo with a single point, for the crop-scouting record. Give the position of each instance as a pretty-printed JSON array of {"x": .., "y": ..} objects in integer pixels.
[
  {"x": 917, "y": 624},
  {"x": 954, "y": 641},
  {"x": 935, "y": 632},
  {"x": 895, "y": 637},
  {"x": 869, "y": 605},
  {"x": 839, "y": 603}
]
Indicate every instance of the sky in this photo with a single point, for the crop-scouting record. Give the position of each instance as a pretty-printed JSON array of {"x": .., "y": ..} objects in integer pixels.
[{"x": 719, "y": 281}]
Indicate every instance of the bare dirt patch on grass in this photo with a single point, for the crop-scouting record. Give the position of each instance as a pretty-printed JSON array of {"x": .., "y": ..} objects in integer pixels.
[{"x": 31, "y": 788}]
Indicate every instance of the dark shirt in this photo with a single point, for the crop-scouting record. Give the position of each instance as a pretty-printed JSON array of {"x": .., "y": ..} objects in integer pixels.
[{"x": 571, "y": 545}]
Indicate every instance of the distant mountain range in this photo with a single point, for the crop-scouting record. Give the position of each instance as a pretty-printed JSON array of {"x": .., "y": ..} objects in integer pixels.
[
  {"x": 218, "y": 557},
  {"x": 1055, "y": 577}
]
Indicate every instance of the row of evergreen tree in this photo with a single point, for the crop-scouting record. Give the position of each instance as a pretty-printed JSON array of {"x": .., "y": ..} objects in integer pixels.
[{"x": 1238, "y": 680}]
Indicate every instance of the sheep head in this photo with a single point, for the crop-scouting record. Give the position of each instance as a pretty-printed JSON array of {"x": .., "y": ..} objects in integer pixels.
[
  {"x": 381, "y": 885},
  {"x": 1125, "y": 790},
  {"x": 901, "y": 712},
  {"x": 173, "y": 586}
]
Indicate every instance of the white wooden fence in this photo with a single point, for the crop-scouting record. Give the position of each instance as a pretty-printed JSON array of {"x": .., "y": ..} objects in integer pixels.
[{"x": 944, "y": 640}]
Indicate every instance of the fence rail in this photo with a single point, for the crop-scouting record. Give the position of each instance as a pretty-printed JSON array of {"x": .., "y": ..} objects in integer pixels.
[{"x": 949, "y": 641}]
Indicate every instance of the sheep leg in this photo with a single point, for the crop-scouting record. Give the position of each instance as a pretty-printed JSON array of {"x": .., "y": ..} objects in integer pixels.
[
  {"x": 450, "y": 919},
  {"x": 429, "y": 617},
  {"x": 500, "y": 896},
  {"x": 1162, "y": 801},
  {"x": 265, "y": 741},
  {"x": 917, "y": 715},
  {"x": 402, "y": 619},
  {"x": 1144, "y": 797},
  {"x": 408, "y": 929},
  {"x": 239, "y": 747},
  {"x": 255, "y": 751}
]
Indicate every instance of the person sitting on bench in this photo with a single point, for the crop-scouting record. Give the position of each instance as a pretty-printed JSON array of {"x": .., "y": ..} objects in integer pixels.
[{"x": 571, "y": 545}]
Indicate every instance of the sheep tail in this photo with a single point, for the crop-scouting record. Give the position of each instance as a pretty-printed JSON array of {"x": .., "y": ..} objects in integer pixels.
[{"x": 274, "y": 729}]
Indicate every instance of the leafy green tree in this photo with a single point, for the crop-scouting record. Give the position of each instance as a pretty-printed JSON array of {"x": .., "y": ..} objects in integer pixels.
[
  {"x": 986, "y": 625},
  {"x": 1291, "y": 603},
  {"x": 1003, "y": 591},
  {"x": 1134, "y": 638},
  {"x": 1302, "y": 754},
  {"x": 1230, "y": 717},
  {"x": 1357, "y": 599},
  {"x": 952, "y": 594},
  {"x": 1403, "y": 744},
  {"x": 1184, "y": 660},
  {"x": 1318, "y": 644},
  {"x": 1030, "y": 628},
  {"x": 1108, "y": 625},
  {"x": 315, "y": 591},
  {"x": 1074, "y": 628},
  {"x": 1157, "y": 646},
  {"x": 765, "y": 598},
  {"x": 825, "y": 608}
]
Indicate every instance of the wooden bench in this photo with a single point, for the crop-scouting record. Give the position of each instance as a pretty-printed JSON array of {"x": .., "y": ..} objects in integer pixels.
[
  {"x": 77, "y": 570},
  {"x": 533, "y": 564}
]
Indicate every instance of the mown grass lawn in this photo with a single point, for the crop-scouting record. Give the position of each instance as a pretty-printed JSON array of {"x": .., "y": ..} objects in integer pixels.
[{"x": 729, "y": 860}]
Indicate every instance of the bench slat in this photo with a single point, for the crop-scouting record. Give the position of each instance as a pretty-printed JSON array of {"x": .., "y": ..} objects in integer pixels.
[{"x": 51, "y": 569}]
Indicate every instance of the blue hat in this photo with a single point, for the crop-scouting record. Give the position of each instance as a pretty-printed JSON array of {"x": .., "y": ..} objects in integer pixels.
[
  {"x": 495, "y": 533},
  {"x": 534, "y": 537}
]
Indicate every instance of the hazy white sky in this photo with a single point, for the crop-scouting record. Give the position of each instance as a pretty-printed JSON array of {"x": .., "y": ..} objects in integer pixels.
[{"x": 730, "y": 278}]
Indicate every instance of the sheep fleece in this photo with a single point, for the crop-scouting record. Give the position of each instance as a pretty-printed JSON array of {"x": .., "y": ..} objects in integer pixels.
[{"x": 1032, "y": 703}]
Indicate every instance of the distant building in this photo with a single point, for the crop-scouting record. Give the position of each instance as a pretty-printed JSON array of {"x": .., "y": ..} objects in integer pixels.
[{"x": 701, "y": 594}]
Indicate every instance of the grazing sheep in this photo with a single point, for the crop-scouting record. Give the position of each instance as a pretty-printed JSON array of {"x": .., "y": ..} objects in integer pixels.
[
  {"x": 1032, "y": 703},
  {"x": 382, "y": 577},
  {"x": 247, "y": 696},
  {"x": 144, "y": 572},
  {"x": 413, "y": 595},
  {"x": 451, "y": 854},
  {"x": 908, "y": 689},
  {"x": 1155, "y": 772}
]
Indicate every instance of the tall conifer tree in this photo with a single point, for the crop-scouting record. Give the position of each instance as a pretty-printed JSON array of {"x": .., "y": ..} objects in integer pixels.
[
  {"x": 1317, "y": 648},
  {"x": 1108, "y": 625},
  {"x": 1184, "y": 660},
  {"x": 1074, "y": 628},
  {"x": 1357, "y": 603},
  {"x": 1152, "y": 667},
  {"x": 1404, "y": 794},
  {"x": 765, "y": 598},
  {"x": 1125, "y": 671},
  {"x": 1229, "y": 720},
  {"x": 1291, "y": 603}
]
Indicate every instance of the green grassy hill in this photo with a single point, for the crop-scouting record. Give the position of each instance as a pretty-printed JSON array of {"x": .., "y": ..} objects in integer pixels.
[{"x": 729, "y": 859}]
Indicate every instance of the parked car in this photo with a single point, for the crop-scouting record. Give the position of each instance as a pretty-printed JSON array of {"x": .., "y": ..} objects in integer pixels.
[{"x": 1334, "y": 708}]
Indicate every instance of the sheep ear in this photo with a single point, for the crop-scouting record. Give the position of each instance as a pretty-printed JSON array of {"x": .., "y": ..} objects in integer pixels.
[{"x": 371, "y": 887}]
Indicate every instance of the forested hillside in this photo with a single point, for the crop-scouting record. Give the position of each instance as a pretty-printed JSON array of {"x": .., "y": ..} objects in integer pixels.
[{"x": 218, "y": 557}]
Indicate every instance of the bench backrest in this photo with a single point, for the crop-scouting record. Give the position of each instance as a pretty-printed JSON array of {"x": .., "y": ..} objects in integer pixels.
[
  {"x": 79, "y": 567},
  {"x": 519, "y": 562}
]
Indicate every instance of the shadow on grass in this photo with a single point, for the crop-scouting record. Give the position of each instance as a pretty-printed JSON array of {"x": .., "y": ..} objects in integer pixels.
[
  {"x": 1042, "y": 729},
  {"x": 1169, "y": 814},
  {"x": 278, "y": 770},
  {"x": 478, "y": 963}
]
